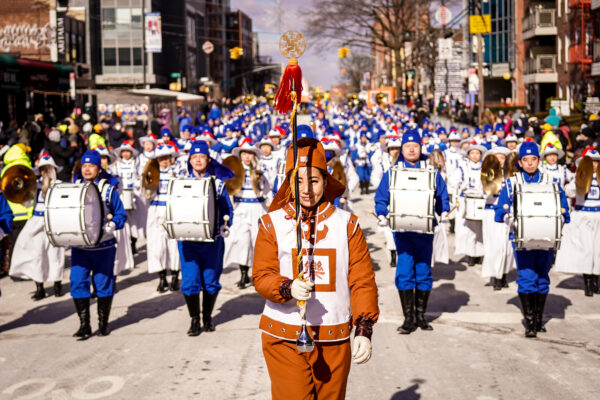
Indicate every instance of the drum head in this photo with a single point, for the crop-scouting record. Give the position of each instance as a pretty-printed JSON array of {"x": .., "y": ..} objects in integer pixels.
[
  {"x": 212, "y": 208},
  {"x": 93, "y": 214}
]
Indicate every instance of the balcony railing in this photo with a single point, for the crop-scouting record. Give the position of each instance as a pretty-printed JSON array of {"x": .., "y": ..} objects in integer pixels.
[
  {"x": 539, "y": 23},
  {"x": 540, "y": 64},
  {"x": 579, "y": 3},
  {"x": 580, "y": 54}
]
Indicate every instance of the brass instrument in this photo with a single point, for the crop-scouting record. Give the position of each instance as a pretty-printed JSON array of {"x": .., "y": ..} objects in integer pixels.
[
  {"x": 250, "y": 99},
  {"x": 491, "y": 175},
  {"x": 234, "y": 185},
  {"x": 151, "y": 178},
  {"x": 338, "y": 171},
  {"x": 18, "y": 184},
  {"x": 510, "y": 165},
  {"x": 436, "y": 158},
  {"x": 584, "y": 176},
  {"x": 381, "y": 97},
  {"x": 270, "y": 99},
  {"x": 352, "y": 99}
]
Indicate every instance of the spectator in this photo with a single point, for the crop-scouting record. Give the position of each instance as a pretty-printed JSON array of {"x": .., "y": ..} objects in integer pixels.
[
  {"x": 61, "y": 154},
  {"x": 553, "y": 119}
]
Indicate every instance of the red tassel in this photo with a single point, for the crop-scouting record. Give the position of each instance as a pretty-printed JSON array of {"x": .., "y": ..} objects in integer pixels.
[{"x": 292, "y": 78}]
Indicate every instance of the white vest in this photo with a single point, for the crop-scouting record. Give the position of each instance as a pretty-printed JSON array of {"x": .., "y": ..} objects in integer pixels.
[{"x": 328, "y": 312}]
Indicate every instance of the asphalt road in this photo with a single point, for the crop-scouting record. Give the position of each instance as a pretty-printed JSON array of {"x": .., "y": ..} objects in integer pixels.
[{"x": 476, "y": 351}]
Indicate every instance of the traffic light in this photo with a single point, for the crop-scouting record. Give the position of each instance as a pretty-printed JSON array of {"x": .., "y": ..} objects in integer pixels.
[
  {"x": 343, "y": 52},
  {"x": 236, "y": 52}
]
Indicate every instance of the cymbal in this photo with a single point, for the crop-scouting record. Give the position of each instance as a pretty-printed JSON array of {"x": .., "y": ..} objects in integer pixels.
[
  {"x": 510, "y": 165},
  {"x": 338, "y": 172},
  {"x": 491, "y": 175},
  {"x": 436, "y": 158},
  {"x": 18, "y": 184},
  {"x": 584, "y": 176},
  {"x": 234, "y": 185},
  {"x": 151, "y": 176}
]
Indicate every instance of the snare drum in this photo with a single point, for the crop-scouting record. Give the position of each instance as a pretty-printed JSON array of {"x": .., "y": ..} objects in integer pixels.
[
  {"x": 128, "y": 199},
  {"x": 474, "y": 208},
  {"x": 537, "y": 215},
  {"x": 73, "y": 215},
  {"x": 412, "y": 193},
  {"x": 192, "y": 210}
]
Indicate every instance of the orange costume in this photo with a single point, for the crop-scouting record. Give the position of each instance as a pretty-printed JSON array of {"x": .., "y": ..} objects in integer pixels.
[{"x": 344, "y": 295}]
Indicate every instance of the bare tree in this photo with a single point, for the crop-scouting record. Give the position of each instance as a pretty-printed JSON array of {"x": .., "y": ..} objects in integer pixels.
[{"x": 355, "y": 65}]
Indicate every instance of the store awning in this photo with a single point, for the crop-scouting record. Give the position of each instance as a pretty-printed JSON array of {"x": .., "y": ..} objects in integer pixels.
[
  {"x": 37, "y": 75},
  {"x": 182, "y": 97}
]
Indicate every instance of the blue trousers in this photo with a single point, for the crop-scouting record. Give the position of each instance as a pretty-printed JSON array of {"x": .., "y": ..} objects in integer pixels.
[
  {"x": 201, "y": 266},
  {"x": 413, "y": 261},
  {"x": 533, "y": 268},
  {"x": 364, "y": 173},
  {"x": 100, "y": 264}
]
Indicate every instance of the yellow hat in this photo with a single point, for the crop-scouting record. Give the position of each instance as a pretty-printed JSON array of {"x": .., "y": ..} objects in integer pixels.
[
  {"x": 546, "y": 127},
  {"x": 63, "y": 128},
  {"x": 97, "y": 128},
  {"x": 593, "y": 117}
]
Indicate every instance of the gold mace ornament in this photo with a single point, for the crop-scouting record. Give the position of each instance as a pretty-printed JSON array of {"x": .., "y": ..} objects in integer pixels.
[{"x": 292, "y": 44}]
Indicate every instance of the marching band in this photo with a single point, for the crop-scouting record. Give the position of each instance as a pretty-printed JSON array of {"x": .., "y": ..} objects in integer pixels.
[{"x": 217, "y": 197}]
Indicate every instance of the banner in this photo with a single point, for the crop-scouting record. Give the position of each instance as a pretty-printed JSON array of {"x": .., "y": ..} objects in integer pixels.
[
  {"x": 153, "y": 33},
  {"x": 61, "y": 42}
]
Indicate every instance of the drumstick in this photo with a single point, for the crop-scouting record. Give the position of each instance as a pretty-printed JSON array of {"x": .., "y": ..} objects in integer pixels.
[
  {"x": 226, "y": 218},
  {"x": 453, "y": 208},
  {"x": 505, "y": 207},
  {"x": 372, "y": 212},
  {"x": 109, "y": 217},
  {"x": 342, "y": 201}
]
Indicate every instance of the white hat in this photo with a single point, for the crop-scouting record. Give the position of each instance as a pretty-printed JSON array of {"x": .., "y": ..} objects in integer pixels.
[
  {"x": 266, "y": 140},
  {"x": 394, "y": 142},
  {"x": 499, "y": 150},
  {"x": 208, "y": 137},
  {"x": 331, "y": 145},
  {"x": 164, "y": 149},
  {"x": 148, "y": 138},
  {"x": 591, "y": 153},
  {"x": 126, "y": 146},
  {"x": 105, "y": 153},
  {"x": 46, "y": 159},
  {"x": 550, "y": 149},
  {"x": 54, "y": 135},
  {"x": 248, "y": 146},
  {"x": 454, "y": 135},
  {"x": 474, "y": 145}
]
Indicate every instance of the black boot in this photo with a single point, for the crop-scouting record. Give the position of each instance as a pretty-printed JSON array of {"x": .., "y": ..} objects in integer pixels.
[
  {"x": 82, "y": 306},
  {"x": 366, "y": 187},
  {"x": 114, "y": 285},
  {"x": 133, "y": 248},
  {"x": 588, "y": 286},
  {"x": 40, "y": 292},
  {"x": 193, "y": 305},
  {"x": 208, "y": 304},
  {"x": 497, "y": 283},
  {"x": 407, "y": 299},
  {"x": 595, "y": 284},
  {"x": 174, "y": 281},
  {"x": 470, "y": 261},
  {"x": 394, "y": 259},
  {"x": 504, "y": 281},
  {"x": 93, "y": 289},
  {"x": 58, "y": 289},
  {"x": 163, "y": 285},
  {"x": 104, "y": 304},
  {"x": 452, "y": 223},
  {"x": 540, "y": 302},
  {"x": 421, "y": 298},
  {"x": 244, "y": 279},
  {"x": 528, "y": 305}
]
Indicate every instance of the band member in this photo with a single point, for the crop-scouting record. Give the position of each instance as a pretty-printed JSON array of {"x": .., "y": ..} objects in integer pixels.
[
  {"x": 414, "y": 250},
  {"x": 97, "y": 261},
  {"x": 469, "y": 235},
  {"x": 148, "y": 144},
  {"x": 202, "y": 262},
  {"x": 249, "y": 206},
  {"x": 340, "y": 290},
  {"x": 533, "y": 265},
  {"x": 35, "y": 258},
  {"x": 162, "y": 251},
  {"x": 499, "y": 259},
  {"x": 268, "y": 160},
  {"x": 6, "y": 219},
  {"x": 557, "y": 172},
  {"x": 454, "y": 158},
  {"x": 361, "y": 156},
  {"x": 126, "y": 170},
  {"x": 579, "y": 252}
]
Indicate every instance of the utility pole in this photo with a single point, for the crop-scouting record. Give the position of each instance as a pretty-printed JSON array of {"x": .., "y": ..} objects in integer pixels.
[
  {"x": 144, "y": 42},
  {"x": 480, "y": 76}
]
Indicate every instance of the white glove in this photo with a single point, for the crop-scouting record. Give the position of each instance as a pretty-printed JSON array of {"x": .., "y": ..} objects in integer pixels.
[
  {"x": 383, "y": 221},
  {"x": 224, "y": 231},
  {"x": 361, "y": 349},
  {"x": 301, "y": 290},
  {"x": 110, "y": 227}
]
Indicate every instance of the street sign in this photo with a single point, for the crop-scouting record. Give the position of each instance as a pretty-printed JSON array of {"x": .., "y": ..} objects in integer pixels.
[
  {"x": 175, "y": 75},
  {"x": 443, "y": 15},
  {"x": 480, "y": 24},
  {"x": 208, "y": 47},
  {"x": 445, "y": 48}
]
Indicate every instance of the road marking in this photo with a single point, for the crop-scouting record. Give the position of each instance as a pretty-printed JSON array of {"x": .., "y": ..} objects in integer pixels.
[
  {"x": 116, "y": 384},
  {"x": 47, "y": 385}
]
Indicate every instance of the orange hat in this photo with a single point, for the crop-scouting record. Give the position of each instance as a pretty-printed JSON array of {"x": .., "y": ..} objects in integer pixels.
[{"x": 310, "y": 154}]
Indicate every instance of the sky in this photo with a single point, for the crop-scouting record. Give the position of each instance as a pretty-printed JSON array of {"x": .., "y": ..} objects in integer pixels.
[{"x": 320, "y": 69}]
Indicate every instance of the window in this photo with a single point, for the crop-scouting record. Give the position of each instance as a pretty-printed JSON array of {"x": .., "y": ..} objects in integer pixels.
[
  {"x": 124, "y": 18},
  {"x": 108, "y": 18},
  {"x": 136, "y": 18},
  {"x": 110, "y": 56},
  {"x": 124, "y": 56},
  {"x": 137, "y": 56}
]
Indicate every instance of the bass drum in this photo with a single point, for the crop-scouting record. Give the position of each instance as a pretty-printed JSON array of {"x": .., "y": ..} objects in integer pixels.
[
  {"x": 412, "y": 193},
  {"x": 74, "y": 215},
  {"x": 192, "y": 210},
  {"x": 538, "y": 216}
]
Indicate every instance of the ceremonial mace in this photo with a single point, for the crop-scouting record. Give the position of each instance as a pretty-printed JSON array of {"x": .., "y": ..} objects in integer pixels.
[{"x": 292, "y": 45}]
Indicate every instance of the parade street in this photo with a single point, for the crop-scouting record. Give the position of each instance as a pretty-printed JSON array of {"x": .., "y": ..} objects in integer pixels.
[{"x": 476, "y": 351}]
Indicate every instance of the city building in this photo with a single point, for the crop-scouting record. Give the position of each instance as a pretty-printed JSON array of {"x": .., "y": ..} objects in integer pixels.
[{"x": 238, "y": 34}]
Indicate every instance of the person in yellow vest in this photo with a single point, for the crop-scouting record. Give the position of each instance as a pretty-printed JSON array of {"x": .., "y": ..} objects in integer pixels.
[
  {"x": 548, "y": 137},
  {"x": 96, "y": 139},
  {"x": 17, "y": 155}
]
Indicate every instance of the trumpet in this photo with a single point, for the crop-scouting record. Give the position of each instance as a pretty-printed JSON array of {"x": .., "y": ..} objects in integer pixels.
[{"x": 250, "y": 99}]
